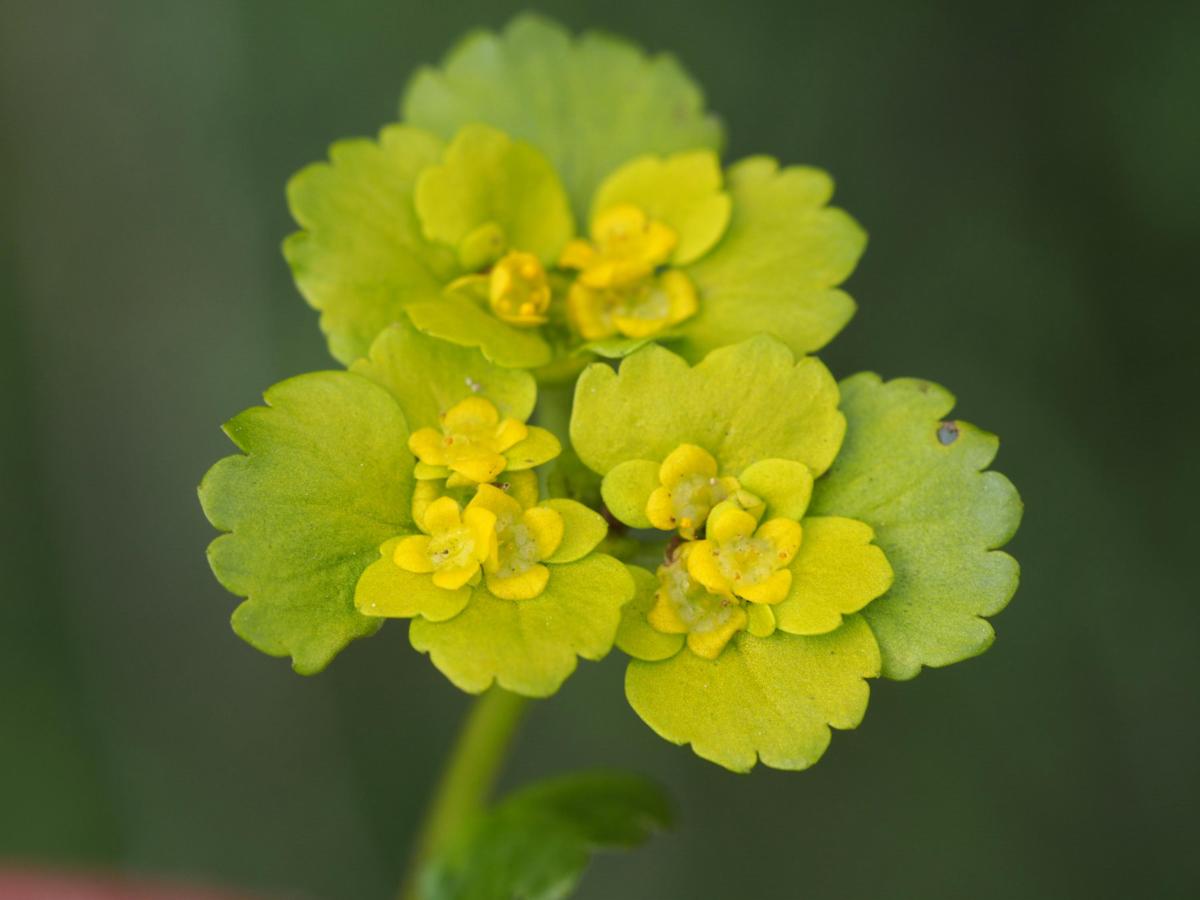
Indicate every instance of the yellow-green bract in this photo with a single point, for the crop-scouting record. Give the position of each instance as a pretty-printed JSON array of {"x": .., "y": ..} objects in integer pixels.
[
  {"x": 525, "y": 145},
  {"x": 897, "y": 566},
  {"x": 327, "y": 480}
]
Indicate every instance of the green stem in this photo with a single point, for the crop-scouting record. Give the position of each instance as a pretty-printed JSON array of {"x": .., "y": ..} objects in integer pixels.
[
  {"x": 554, "y": 409},
  {"x": 468, "y": 777}
]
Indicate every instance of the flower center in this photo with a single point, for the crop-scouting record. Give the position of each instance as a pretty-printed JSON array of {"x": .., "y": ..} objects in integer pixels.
[
  {"x": 454, "y": 547},
  {"x": 525, "y": 537},
  {"x": 517, "y": 550},
  {"x": 690, "y": 488},
  {"x": 741, "y": 557},
  {"x": 746, "y": 560},
  {"x": 684, "y": 606}
]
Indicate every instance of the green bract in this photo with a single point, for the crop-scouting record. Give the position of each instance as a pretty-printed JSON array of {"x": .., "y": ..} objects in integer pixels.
[
  {"x": 588, "y": 103},
  {"x": 427, "y": 377},
  {"x": 918, "y": 481},
  {"x": 328, "y": 482},
  {"x": 530, "y": 647},
  {"x": 748, "y": 642},
  {"x": 683, "y": 191},
  {"x": 779, "y": 264},
  {"x": 728, "y": 404},
  {"x": 461, "y": 220},
  {"x": 772, "y": 699},
  {"x": 491, "y": 194},
  {"x": 326, "y": 478},
  {"x": 361, "y": 255}
]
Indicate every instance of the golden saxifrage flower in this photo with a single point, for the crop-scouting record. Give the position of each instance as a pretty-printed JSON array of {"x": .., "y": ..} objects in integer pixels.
[{"x": 553, "y": 207}]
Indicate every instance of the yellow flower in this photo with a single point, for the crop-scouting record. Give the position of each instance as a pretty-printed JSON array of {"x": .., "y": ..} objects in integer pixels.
[
  {"x": 690, "y": 489},
  {"x": 471, "y": 442},
  {"x": 617, "y": 290},
  {"x": 639, "y": 310},
  {"x": 494, "y": 535},
  {"x": 518, "y": 289},
  {"x": 454, "y": 547},
  {"x": 738, "y": 556},
  {"x": 521, "y": 485},
  {"x": 627, "y": 246},
  {"x": 684, "y": 606},
  {"x": 524, "y": 537}
]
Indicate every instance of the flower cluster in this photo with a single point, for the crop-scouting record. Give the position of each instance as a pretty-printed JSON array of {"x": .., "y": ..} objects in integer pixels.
[{"x": 759, "y": 539}]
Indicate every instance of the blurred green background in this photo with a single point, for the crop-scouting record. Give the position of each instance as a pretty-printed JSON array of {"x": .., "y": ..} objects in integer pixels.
[{"x": 1027, "y": 172}]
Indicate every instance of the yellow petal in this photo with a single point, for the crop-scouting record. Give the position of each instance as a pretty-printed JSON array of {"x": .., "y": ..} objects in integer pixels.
[
  {"x": 684, "y": 460},
  {"x": 501, "y": 281},
  {"x": 760, "y": 620},
  {"x": 627, "y": 237},
  {"x": 654, "y": 304},
  {"x": 772, "y": 590},
  {"x": 576, "y": 255},
  {"x": 442, "y": 515},
  {"x": 539, "y": 446},
  {"x": 702, "y": 566},
  {"x": 521, "y": 486},
  {"x": 636, "y": 327},
  {"x": 498, "y": 502},
  {"x": 709, "y": 644},
  {"x": 784, "y": 536},
  {"x": 606, "y": 273},
  {"x": 519, "y": 292},
  {"x": 471, "y": 414},
  {"x": 525, "y": 586},
  {"x": 727, "y": 522},
  {"x": 483, "y": 467},
  {"x": 659, "y": 242},
  {"x": 660, "y": 509},
  {"x": 587, "y": 310},
  {"x": 510, "y": 432},
  {"x": 428, "y": 445},
  {"x": 453, "y": 578},
  {"x": 546, "y": 527},
  {"x": 664, "y": 616},
  {"x": 424, "y": 493},
  {"x": 681, "y": 295},
  {"x": 412, "y": 554},
  {"x": 482, "y": 523}
]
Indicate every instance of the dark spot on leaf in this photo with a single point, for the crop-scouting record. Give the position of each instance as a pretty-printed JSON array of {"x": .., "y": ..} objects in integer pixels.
[{"x": 947, "y": 433}]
